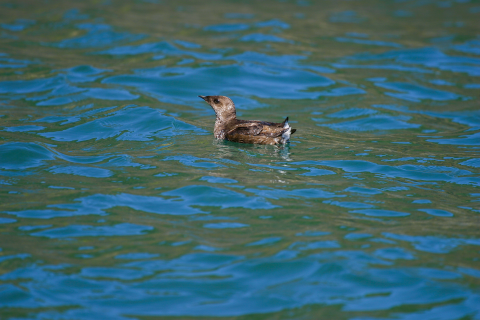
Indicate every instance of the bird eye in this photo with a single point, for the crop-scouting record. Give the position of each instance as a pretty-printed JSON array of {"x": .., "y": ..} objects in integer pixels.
[{"x": 216, "y": 101}]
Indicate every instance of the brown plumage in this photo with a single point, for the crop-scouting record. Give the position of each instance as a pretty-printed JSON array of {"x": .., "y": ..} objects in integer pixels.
[{"x": 228, "y": 127}]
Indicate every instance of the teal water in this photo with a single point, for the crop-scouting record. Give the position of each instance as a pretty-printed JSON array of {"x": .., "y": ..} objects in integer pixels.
[{"x": 117, "y": 202}]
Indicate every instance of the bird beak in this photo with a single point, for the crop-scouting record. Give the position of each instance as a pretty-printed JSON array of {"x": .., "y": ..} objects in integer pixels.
[{"x": 203, "y": 97}]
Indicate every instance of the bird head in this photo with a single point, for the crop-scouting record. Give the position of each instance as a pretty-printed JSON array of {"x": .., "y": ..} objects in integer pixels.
[{"x": 223, "y": 106}]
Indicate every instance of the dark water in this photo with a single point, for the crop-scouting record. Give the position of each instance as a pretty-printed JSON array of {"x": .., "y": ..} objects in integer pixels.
[{"x": 117, "y": 203}]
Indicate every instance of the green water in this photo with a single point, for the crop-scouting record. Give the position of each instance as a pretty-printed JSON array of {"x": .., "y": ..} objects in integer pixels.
[{"x": 116, "y": 202}]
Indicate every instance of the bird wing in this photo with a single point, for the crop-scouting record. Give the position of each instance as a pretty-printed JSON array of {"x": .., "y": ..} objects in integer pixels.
[
  {"x": 251, "y": 128},
  {"x": 273, "y": 131},
  {"x": 256, "y": 128}
]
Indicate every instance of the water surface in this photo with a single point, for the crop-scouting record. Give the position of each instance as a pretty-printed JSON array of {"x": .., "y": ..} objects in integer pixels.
[{"x": 117, "y": 202}]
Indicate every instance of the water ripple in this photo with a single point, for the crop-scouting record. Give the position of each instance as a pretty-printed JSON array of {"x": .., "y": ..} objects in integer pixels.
[
  {"x": 428, "y": 57},
  {"x": 129, "y": 123},
  {"x": 122, "y": 229},
  {"x": 182, "y": 85},
  {"x": 97, "y": 35}
]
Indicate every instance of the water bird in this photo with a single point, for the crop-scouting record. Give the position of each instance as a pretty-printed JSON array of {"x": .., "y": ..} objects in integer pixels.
[{"x": 228, "y": 127}]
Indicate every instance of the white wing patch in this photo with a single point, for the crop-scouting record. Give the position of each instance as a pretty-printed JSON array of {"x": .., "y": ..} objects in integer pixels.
[{"x": 287, "y": 133}]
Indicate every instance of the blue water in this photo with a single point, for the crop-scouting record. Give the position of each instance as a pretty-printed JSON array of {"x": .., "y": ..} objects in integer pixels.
[{"x": 116, "y": 202}]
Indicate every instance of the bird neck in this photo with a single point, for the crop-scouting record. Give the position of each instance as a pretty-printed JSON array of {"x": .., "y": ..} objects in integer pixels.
[
  {"x": 221, "y": 124},
  {"x": 224, "y": 118}
]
